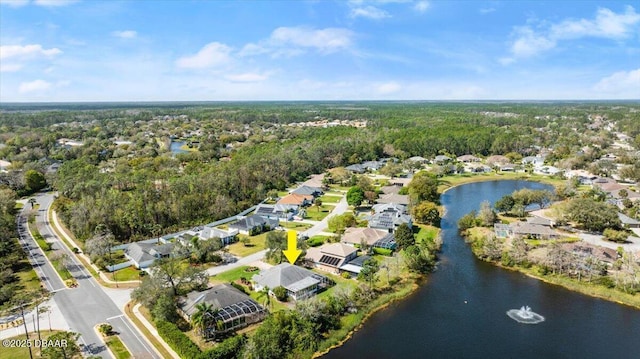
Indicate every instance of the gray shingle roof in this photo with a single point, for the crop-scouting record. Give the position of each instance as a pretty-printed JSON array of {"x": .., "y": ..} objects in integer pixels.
[
  {"x": 308, "y": 190},
  {"x": 254, "y": 221},
  {"x": 284, "y": 274}
]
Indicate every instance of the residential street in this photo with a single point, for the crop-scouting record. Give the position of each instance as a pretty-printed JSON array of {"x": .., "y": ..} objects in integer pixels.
[
  {"x": 319, "y": 227},
  {"x": 88, "y": 304}
]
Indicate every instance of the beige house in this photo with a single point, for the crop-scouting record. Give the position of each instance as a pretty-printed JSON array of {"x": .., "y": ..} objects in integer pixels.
[{"x": 330, "y": 257}]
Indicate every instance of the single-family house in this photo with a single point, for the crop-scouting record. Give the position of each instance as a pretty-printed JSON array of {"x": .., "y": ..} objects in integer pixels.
[
  {"x": 389, "y": 207},
  {"x": 330, "y": 257},
  {"x": 477, "y": 168},
  {"x": 372, "y": 165},
  {"x": 375, "y": 238},
  {"x": 394, "y": 198},
  {"x": 468, "y": 159},
  {"x": 284, "y": 212},
  {"x": 227, "y": 237},
  {"x": 441, "y": 159},
  {"x": 549, "y": 170},
  {"x": 389, "y": 221},
  {"x": 497, "y": 160},
  {"x": 537, "y": 220},
  {"x": 299, "y": 282},
  {"x": 530, "y": 230},
  {"x": 584, "y": 250},
  {"x": 418, "y": 159},
  {"x": 254, "y": 224},
  {"x": 144, "y": 254},
  {"x": 308, "y": 190},
  {"x": 231, "y": 310},
  {"x": 354, "y": 266},
  {"x": 628, "y": 222},
  {"x": 356, "y": 168},
  {"x": 296, "y": 199},
  {"x": 536, "y": 161}
]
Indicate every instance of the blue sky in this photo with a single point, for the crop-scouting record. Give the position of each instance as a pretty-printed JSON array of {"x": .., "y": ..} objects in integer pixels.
[{"x": 61, "y": 50}]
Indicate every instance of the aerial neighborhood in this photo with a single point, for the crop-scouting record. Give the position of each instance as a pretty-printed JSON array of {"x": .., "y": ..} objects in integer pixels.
[{"x": 207, "y": 258}]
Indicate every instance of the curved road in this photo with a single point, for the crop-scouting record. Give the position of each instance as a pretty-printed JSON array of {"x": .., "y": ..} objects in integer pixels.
[{"x": 88, "y": 305}]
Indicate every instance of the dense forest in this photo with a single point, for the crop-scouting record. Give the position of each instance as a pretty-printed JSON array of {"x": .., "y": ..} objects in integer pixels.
[{"x": 124, "y": 175}]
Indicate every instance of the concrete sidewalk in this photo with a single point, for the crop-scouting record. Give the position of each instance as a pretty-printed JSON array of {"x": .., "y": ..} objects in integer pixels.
[{"x": 51, "y": 320}]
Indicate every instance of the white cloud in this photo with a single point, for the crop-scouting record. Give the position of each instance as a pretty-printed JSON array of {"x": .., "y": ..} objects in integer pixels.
[
  {"x": 10, "y": 67},
  {"x": 487, "y": 10},
  {"x": 369, "y": 12},
  {"x": 388, "y": 88},
  {"x": 326, "y": 40},
  {"x": 247, "y": 77},
  {"x": 606, "y": 24},
  {"x": 26, "y": 51},
  {"x": 421, "y": 6},
  {"x": 34, "y": 86},
  {"x": 529, "y": 43},
  {"x": 125, "y": 34},
  {"x": 623, "y": 84},
  {"x": 211, "y": 55}
]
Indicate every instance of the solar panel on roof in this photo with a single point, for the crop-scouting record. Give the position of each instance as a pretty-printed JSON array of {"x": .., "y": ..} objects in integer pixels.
[{"x": 329, "y": 260}]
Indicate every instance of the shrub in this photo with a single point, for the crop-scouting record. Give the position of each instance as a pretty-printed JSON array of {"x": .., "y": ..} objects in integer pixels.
[
  {"x": 382, "y": 251},
  {"x": 76, "y": 250},
  {"x": 281, "y": 293},
  {"x": 177, "y": 340},
  {"x": 239, "y": 287},
  {"x": 229, "y": 349},
  {"x": 105, "y": 329},
  {"x": 315, "y": 242},
  {"x": 345, "y": 275}
]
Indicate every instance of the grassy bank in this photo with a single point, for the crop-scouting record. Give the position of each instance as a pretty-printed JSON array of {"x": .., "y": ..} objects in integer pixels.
[
  {"x": 56, "y": 261},
  {"x": 448, "y": 182},
  {"x": 592, "y": 288},
  {"x": 117, "y": 347},
  {"x": 352, "y": 322}
]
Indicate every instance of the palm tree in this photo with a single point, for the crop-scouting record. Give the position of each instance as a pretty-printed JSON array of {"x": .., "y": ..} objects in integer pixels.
[
  {"x": 267, "y": 298},
  {"x": 204, "y": 313}
]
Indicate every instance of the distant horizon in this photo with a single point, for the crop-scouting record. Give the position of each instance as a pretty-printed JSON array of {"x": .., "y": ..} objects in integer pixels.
[
  {"x": 69, "y": 51},
  {"x": 8, "y": 103}
]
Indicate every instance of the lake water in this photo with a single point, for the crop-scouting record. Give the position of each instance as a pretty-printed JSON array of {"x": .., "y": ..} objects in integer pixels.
[
  {"x": 175, "y": 147},
  {"x": 435, "y": 322}
]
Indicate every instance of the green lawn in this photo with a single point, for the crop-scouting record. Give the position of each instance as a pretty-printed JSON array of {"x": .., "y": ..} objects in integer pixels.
[
  {"x": 233, "y": 275},
  {"x": 257, "y": 244},
  {"x": 314, "y": 214},
  {"x": 124, "y": 274},
  {"x": 296, "y": 226},
  {"x": 117, "y": 347},
  {"x": 341, "y": 283},
  {"x": 425, "y": 232},
  {"x": 23, "y": 353},
  {"x": 316, "y": 237},
  {"x": 331, "y": 199},
  {"x": 337, "y": 188},
  {"x": 62, "y": 270},
  {"x": 275, "y": 304},
  {"x": 544, "y": 242},
  {"x": 44, "y": 245},
  {"x": 454, "y": 180}
]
